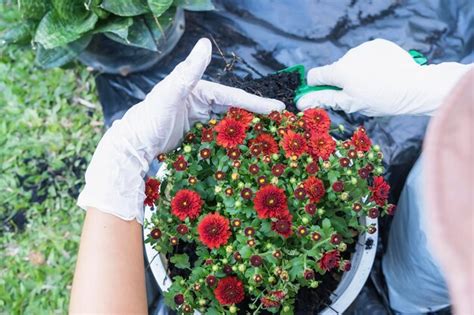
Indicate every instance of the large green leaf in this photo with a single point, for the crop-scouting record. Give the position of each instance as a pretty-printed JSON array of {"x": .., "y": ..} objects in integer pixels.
[
  {"x": 126, "y": 7},
  {"x": 117, "y": 25},
  {"x": 19, "y": 33},
  {"x": 158, "y": 7},
  {"x": 158, "y": 25},
  {"x": 96, "y": 8},
  {"x": 34, "y": 9},
  {"x": 139, "y": 35},
  {"x": 56, "y": 57},
  {"x": 195, "y": 5},
  {"x": 70, "y": 9},
  {"x": 53, "y": 31}
]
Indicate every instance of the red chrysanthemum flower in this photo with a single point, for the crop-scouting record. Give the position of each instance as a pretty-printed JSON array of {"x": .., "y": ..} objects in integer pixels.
[
  {"x": 229, "y": 290},
  {"x": 207, "y": 135},
  {"x": 266, "y": 143},
  {"x": 317, "y": 119},
  {"x": 230, "y": 133},
  {"x": 283, "y": 227},
  {"x": 361, "y": 141},
  {"x": 268, "y": 302},
  {"x": 233, "y": 153},
  {"x": 380, "y": 190},
  {"x": 241, "y": 115},
  {"x": 180, "y": 164},
  {"x": 293, "y": 144},
  {"x": 312, "y": 168},
  {"x": 214, "y": 230},
  {"x": 321, "y": 145},
  {"x": 391, "y": 209},
  {"x": 310, "y": 209},
  {"x": 338, "y": 186},
  {"x": 186, "y": 204},
  {"x": 363, "y": 173},
  {"x": 270, "y": 202},
  {"x": 275, "y": 116},
  {"x": 151, "y": 191},
  {"x": 329, "y": 260},
  {"x": 278, "y": 169},
  {"x": 314, "y": 189}
]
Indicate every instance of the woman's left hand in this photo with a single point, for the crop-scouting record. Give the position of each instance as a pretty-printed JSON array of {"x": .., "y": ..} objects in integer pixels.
[{"x": 114, "y": 178}]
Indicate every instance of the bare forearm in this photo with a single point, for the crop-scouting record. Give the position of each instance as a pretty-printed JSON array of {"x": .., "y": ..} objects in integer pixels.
[{"x": 110, "y": 276}]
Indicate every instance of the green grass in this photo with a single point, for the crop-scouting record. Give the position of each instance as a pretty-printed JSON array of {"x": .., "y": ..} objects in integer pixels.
[{"x": 47, "y": 136}]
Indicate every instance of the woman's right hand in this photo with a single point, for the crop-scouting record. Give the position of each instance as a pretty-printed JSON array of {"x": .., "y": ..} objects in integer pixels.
[{"x": 379, "y": 78}]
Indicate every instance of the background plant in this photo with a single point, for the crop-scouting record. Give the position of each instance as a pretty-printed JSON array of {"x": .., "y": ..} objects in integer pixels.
[
  {"x": 61, "y": 29},
  {"x": 49, "y": 128}
]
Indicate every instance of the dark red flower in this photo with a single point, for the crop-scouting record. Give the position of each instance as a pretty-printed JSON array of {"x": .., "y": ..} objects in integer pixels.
[
  {"x": 336, "y": 239},
  {"x": 269, "y": 302},
  {"x": 186, "y": 204},
  {"x": 278, "y": 169},
  {"x": 352, "y": 154},
  {"x": 344, "y": 162},
  {"x": 229, "y": 290},
  {"x": 391, "y": 209},
  {"x": 275, "y": 116},
  {"x": 151, "y": 191},
  {"x": 236, "y": 223},
  {"x": 262, "y": 180},
  {"x": 277, "y": 254},
  {"x": 315, "y": 236},
  {"x": 258, "y": 127},
  {"x": 207, "y": 135},
  {"x": 317, "y": 119},
  {"x": 329, "y": 260},
  {"x": 363, "y": 173},
  {"x": 255, "y": 149},
  {"x": 360, "y": 140},
  {"x": 182, "y": 229},
  {"x": 161, "y": 157},
  {"x": 227, "y": 269},
  {"x": 241, "y": 115},
  {"x": 205, "y": 153},
  {"x": 310, "y": 208},
  {"x": 237, "y": 256},
  {"x": 180, "y": 164},
  {"x": 229, "y": 191},
  {"x": 312, "y": 168},
  {"x": 219, "y": 175},
  {"x": 270, "y": 202},
  {"x": 256, "y": 260},
  {"x": 338, "y": 186},
  {"x": 253, "y": 169},
  {"x": 155, "y": 233},
  {"x": 346, "y": 265},
  {"x": 309, "y": 274},
  {"x": 373, "y": 213},
  {"x": 314, "y": 188},
  {"x": 233, "y": 153},
  {"x": 192, "y": 180},
  {"x": 246, "y": 193},
  {"x": 356, "y": 207},
  {"x": 380, "y": 190},
  {"x": 283, "y": 227},
  {"x": 174, "y": 240},
  {"x": 214, "y": 230},
  {"x": 293, "y": 143},
  {"x": 179, "y": 299},
  {"x": 230, "y": 133},
  {"x": 300, "y": 193},
  {"x": 369, "y": 167},
  {"x": 189, "y": 137},
  {"x": 321, "y": 145},
  {"x": 266, "y": 143},
  {"x": 302, "y": 231},
  {"x": 211, "y": 280},
  {"x": 249, "y": 231}
]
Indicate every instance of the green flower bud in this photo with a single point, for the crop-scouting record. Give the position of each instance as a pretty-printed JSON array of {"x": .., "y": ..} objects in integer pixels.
[
  {"x": 187, "y": 148},
  {"x": 371, "y": 156},
  {"x": 379, "y": 170},
  {"x": 275, "y": 156},
  {"x": 215, "y": 268},
  {"x": 292, "y": 180},
  {"x": 199, "y": 126},
  {"x": 321, "y": 212},
  {"x": 217, "y": 189},
  {"x": 242, "y": 268},
  {"x": 224, "y": 261},
  {"x": 233, "y": 309},
  {"x": 305, "y": 220},
  {"x": 202, "y": 302},
  {"x": 256, "y": 120},
  {"x": 286, "y": 308},
  {"x": 241, "y": 185},
  {"x": 271, "y": 279},
  {"x": 238, "y": 204},
  {"x": 229, "y": 249},
  {"x": 234, "y": 268},
  {"x": 300, "y": 114},
  {"x": 309, "y": 159},
  {"x": 269, "y": 246},
  {"x": 341, "y": 128},
  {"x": 344, "y": 196},
  {"x": 169, "y": 220},
  {"x": 274, "y": 180},
  {"x": 314, "y": 284},
  {"x": 353, "y": 180},
  {"x": 376, "y": 148},
  {"x": 182, "y": 282},
  {"x": 349, "y": 172},
  {"x": 273, "y": 129}
]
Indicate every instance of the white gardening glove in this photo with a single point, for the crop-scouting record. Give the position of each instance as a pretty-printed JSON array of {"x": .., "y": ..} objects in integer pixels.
[
  {"x": 379, "y": 78},
  {"x": 114, "y": 178}
]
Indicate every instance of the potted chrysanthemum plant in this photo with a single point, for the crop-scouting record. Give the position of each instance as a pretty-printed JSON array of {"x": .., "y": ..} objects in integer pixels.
[{"x": 261, "y": 213}]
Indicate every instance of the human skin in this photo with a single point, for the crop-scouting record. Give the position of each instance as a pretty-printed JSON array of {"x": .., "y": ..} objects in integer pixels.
[{"x": 110, "y": 274}]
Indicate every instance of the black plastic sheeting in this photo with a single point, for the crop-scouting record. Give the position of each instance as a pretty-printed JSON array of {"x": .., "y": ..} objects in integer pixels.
[{"x": 269, "y": 35}]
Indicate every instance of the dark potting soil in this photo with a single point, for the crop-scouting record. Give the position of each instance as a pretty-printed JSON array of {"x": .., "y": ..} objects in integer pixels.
[{"x": 280, "y": 86}]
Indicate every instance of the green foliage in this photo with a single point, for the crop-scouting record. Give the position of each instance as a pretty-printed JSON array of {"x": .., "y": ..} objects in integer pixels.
[
  {"x": 58, "y": 25},
  {"x": 181, "y": 261},
  {"x": 47, "y": 137}
]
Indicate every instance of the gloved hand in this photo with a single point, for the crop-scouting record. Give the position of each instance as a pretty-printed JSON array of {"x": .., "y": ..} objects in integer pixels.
[
  {"x": 379, "y": 78},
  {"x": 114, "y": 178}
]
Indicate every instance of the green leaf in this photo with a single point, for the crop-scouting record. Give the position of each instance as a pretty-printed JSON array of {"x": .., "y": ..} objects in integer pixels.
[
  {"x": 245, "y": 252},
  {"x": 34, "y": 9},
  {"x": 158, "y": 7},
  {"x": 56, "y": 57},
  {"x": 158, "y": 25},
  {"x": 180, "y": 261},
  {"x": 297, "y": 266},
  {"x": 195, "y": 5},
  {"x": 53, "y": 31},
  {"x": 212, "y": 311},
  {"x": 70, "y": 9},
  {"x": 126, "y": 7},
  {"x": 95, "y": 7},
  {"x": 19, "y": 33},
  {"x": 139, "y": 35},
  {"x": 117, "y": 25},
  {"x": 332, "y": 176},
  {"x": 326, "y": 224}
]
